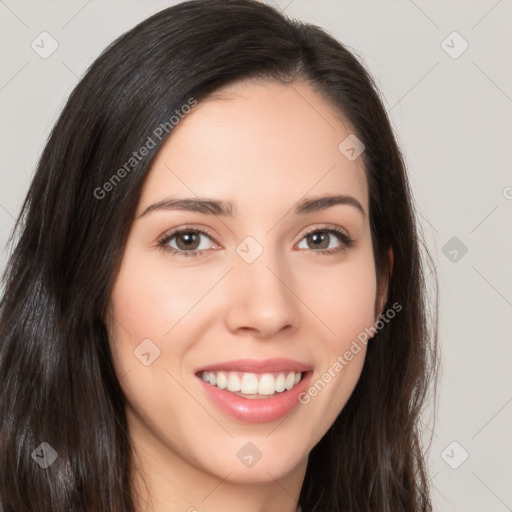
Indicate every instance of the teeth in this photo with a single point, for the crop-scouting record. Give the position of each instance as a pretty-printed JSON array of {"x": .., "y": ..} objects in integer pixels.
[
  {"x": 233, "y": 382},
  {"x": 290, "y": 381},
  {"x": 253, "y": 383},
  {"x": 267, "y": 385},
  {"x": 222, "y": 380},
  {"x": 280, "y": 383},
  {"x": 249, "y": 384}
]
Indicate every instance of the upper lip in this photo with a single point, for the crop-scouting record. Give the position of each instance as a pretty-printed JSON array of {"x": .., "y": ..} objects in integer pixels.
[{"x": 257, "y": 366}]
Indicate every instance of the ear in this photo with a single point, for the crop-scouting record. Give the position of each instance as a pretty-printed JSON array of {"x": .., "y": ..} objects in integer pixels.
[{"x": 383, "y": 286}]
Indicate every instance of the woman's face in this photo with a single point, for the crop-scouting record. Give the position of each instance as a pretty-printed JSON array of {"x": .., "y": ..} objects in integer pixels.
[{"x": 252, "y": 304}]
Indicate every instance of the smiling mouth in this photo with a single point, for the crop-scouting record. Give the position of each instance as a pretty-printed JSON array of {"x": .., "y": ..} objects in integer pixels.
[
  {"x": 255, "y": 390},
  {"x": 252, "y": 385}
]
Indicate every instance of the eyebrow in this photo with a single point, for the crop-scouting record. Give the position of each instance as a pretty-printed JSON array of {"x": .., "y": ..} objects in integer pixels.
[{"x": 227, "y": 209}]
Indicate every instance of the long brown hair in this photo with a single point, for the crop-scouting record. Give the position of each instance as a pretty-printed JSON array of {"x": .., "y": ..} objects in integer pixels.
[{"x": 57, "y": 379}]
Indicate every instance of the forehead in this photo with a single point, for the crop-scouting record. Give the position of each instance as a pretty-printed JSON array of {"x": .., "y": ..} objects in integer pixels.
[{"x": 257, "y": 144}]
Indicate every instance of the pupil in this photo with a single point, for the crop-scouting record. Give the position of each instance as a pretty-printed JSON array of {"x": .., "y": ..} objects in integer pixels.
[
  {"x": 188, "y": 239},
  {"x": 319, "y": 239}
]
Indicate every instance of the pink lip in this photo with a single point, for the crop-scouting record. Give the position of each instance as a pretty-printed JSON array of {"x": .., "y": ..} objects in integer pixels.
[
  {"x": 257, "y": 366},
  {"x": 257, "y": 410}
]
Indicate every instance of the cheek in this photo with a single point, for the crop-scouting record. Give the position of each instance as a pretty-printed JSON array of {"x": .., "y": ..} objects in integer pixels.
[
  {"x": 154, "y": 320},
  {"x": 150, "y": 298},
  {"x": 343, "y": 300},
  {"x": 144, "y": 309},
  {"x": 353, "y": 315}
]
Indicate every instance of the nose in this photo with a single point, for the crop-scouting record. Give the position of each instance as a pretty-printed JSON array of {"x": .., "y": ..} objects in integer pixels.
[{"x": 261, "y": 299}]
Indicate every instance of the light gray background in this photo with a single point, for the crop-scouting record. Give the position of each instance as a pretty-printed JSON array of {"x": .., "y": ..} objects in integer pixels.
[{"x": 453, "y": 121}]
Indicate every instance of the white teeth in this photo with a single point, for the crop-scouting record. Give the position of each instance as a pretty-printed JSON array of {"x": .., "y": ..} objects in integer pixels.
[
  {"x": 267, "y": 384},
  {"x": 222, "y": 380},
  {"x": 251, "y": 384},
  {"x": 280, "y": 383},
  {"x": 290, "y": 381},
  {"x": 234, "y": 382}
]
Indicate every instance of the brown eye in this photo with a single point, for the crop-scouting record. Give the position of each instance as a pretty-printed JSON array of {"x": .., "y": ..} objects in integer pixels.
[
  {"x": 326, "y": 241},
  {"x": 318, "y": 240},
  {"x": 187, "y": 240}
]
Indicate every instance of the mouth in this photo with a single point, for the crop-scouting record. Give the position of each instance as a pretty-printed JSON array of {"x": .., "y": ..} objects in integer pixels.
[{"x": 255, "y": 391}]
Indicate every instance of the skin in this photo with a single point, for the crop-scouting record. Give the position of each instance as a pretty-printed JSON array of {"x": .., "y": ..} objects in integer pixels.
[{"x": 264, "y": 147}]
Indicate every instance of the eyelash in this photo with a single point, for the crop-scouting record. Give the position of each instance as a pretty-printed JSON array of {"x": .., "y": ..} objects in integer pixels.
[{"x": 342, "y": 237}]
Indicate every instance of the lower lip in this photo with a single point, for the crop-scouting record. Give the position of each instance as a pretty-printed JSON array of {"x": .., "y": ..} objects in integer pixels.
[{"x": 256, "y": 410}]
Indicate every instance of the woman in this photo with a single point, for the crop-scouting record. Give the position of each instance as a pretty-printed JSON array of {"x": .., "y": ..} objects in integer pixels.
[{"x": 217, "y": 297}]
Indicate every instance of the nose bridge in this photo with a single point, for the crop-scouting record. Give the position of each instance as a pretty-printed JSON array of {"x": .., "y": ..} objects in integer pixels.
[{"x": 261, "y": 300}]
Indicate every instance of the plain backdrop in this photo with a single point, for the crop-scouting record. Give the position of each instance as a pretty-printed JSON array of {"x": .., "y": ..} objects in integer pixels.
[{"x": 445, "y": 73}]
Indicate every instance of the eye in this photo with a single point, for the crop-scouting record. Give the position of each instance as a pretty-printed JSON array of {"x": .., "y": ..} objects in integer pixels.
[
  {"x": 326, "y": 240},
  {"x": 185, "y": 242}
]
